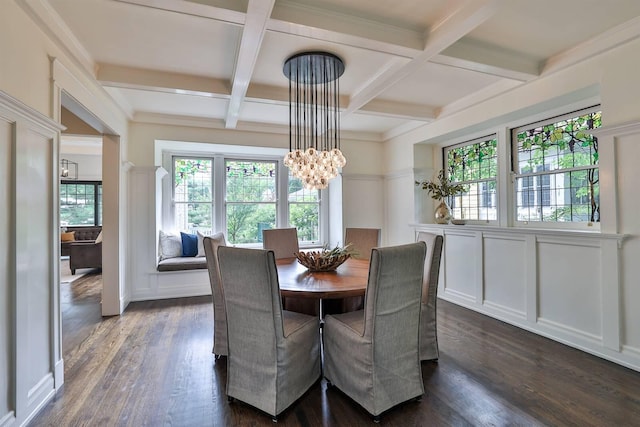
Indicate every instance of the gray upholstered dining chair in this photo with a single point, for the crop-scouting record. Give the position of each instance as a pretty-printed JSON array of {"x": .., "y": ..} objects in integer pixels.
[
  {"x": 211, "y": 245},
  {"x": 274, "y": 354},
  {"x": 428, "y": 324},
  {"x": 372, "y": 354},
  {"x": 282, "y": 241},
  {"x": 362, "y": 240}
]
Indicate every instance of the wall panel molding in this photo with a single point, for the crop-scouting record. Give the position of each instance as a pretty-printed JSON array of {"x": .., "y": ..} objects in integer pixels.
[
  {"x": 604, "y": 340},
  {"x": 34, "y": 353}
]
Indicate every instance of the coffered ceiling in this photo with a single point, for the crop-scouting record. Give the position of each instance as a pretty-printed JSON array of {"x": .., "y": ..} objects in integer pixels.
[{"x": 218, "y": 63}]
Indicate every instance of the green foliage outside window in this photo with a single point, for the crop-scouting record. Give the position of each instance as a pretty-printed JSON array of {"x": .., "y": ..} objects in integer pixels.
[
  {"x": 251, "y": 199},
  {"x": 193, "y": 193},
  {"x": 474, "y": 165},
  {"x": 566, "y": 150},
  {"x": 304, "y": 210},
  {"x": 81, "y": 203}
]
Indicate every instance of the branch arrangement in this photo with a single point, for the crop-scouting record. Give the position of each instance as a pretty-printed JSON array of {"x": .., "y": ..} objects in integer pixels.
[{"x": 442, "y": 188}]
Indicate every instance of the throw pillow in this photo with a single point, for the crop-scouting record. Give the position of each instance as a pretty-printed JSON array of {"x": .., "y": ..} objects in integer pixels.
[
  {"x": 99, "y": 238},
  {"x": 200, "y": 244},
  {"x": 69, "y": 236},
  {"x": 170, "y": 245},
  {"x": 189, "y": 244}
]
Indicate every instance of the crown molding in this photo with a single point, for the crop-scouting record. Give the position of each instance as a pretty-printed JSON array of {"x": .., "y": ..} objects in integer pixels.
[
  {"x": 52, "y": 24},
  {"x": 604, "y": 42}
]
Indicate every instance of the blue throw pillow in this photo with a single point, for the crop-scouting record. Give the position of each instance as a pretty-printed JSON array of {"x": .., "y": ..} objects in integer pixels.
[{"x": 189, "y": 244}]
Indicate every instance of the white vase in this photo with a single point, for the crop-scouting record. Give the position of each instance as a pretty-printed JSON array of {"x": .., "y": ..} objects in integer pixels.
[{"x": 442, "y": 213}]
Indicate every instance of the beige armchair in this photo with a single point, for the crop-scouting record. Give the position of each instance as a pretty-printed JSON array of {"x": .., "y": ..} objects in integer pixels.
[
  {"x": 428, "y": 324},
  {"x": 211, "y": 245},
  {"x": 274, "y": 355},
  {"x": 372, "y": 354}
]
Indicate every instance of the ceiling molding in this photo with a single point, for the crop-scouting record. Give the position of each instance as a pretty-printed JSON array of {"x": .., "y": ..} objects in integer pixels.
[
  {"x": 450, "y": 29},
  {"x": 209, "y": 123},
  {"x": 57, "y": 30},
  {"x": 482, "y": 95},
  {"x": 608, "y": 40},
  {"x": 191, "y": 8},
  {"x": 400, "y": 110},
  {"x": 483, "y": 58},
  {"x": 258, "y": 14},
  {"x": 401, "y": 130}
]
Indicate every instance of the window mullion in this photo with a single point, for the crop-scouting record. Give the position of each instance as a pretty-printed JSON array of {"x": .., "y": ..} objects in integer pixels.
[{"x": 219, "y": 194}]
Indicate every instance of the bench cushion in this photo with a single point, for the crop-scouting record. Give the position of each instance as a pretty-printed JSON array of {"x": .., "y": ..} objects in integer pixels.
[{"x": 182, "y": 263}]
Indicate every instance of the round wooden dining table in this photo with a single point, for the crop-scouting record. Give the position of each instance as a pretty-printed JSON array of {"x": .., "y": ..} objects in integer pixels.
[{"x": 348, "y": 280}]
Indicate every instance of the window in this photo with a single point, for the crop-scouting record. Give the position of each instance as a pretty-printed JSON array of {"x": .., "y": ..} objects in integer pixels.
[
  {"x": 80, "y": 203},
  {"x": 475, "y": 165},
  {"x": 240, "y": 196},
  {"x": 556, "y": 169},
  {"x": 304, "y": 210},
  {"x": 250, "y": 199},
  {"x": 193, "y": 193}
]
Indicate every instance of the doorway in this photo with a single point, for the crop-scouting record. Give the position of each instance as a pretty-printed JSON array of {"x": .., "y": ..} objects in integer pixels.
[{"x": 80, "y": 196}]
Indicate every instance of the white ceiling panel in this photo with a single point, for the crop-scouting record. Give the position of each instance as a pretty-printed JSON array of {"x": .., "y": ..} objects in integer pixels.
[
  {"x": 437, "y": 84},
  {"x": 143, "y": 37}
]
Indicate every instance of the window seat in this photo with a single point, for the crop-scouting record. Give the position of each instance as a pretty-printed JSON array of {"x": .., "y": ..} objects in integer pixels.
[{"x": 182, "y": 263}]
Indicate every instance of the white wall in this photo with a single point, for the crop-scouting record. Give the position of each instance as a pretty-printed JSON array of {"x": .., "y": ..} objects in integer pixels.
[
  {"x": 89, "y": 165},
  {"x": 33, "y": 75},
  {"x": 362, "y": 203},
  {"x": 562, "y": 288}
]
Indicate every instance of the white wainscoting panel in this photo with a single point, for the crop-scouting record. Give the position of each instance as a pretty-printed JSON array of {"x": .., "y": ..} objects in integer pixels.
[
  {"x": 7, "y": 323},
  {"x": 460, "y": 273},
  {"x": 504, "y": 270},
  {"x": 29, "y": 332},
  {"x": 569, "y": 286},
  {"x": 564, "y": 285}
]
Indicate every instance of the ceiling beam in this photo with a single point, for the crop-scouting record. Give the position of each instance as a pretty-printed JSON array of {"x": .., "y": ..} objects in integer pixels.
[
  {"x": 489, "y": 59},
  {"x": 160, "y": 81},
  {"x": 446, "y": 32},
  {"x": 258, "y": 13}
]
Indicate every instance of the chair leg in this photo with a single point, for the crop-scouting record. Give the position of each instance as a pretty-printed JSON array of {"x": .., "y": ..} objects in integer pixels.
[
  {"x": 274, "y": 419},
  {"x": 376, "y": 419},
  {"x": 73, "y": 271},
  {"x": 230, "y": 399}
]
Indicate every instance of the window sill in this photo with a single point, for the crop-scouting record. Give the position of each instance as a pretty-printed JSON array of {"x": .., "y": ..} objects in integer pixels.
[{"x": 551, "y": 232}]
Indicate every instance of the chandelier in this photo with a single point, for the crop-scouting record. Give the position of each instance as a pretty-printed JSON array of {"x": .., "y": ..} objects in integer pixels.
[{"x": 314, "y": 118}]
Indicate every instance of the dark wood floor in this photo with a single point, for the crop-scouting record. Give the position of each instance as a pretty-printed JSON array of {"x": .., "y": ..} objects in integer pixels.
[{"x": 153, "y": 366}]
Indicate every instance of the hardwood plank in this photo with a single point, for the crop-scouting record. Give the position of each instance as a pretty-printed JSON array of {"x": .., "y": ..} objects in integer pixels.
[{"x": 153, "y": 366}]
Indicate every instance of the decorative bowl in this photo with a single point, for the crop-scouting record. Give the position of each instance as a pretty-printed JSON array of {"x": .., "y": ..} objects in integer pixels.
[
  {"x": 321, "y": 260},
  {"x": 458, "y": 221}
]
